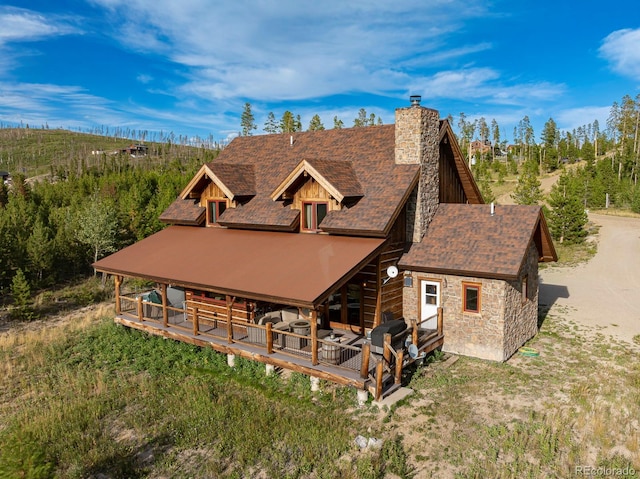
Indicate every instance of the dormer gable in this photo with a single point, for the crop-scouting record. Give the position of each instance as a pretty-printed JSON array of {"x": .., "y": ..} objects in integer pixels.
[
  {"x": 236, "y": 182},
  {"x": 338, "y": 178}
]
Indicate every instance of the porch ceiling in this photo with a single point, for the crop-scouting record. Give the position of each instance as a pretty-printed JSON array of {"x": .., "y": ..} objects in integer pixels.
[{"x": 291, "y": 268}]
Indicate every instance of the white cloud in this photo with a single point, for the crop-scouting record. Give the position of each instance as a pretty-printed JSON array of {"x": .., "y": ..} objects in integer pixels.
[
  {"x": 482, "y": 84},
  {"x": 622, "y": 50},
  {"x": 289, "y": 50},
  {"x": 24, "y": 25},
  {"x": 572, "y": 118}
]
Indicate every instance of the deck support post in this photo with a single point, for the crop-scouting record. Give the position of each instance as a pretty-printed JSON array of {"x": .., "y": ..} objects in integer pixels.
[
  {"x": 270, "y": 369},
  {"x": 314, "y": 337},
  {"x": 231, "y": 360},
  {"x": 165, "y": 313},
  {"x": 439, "y": 320},
  {"x": 315, "y": 384},
  {"x": 363, "y": 397},
  {"x": 364, "y": 367},
  {"x": 118, "y": 282},
  {"x": 140, "y": 315}
]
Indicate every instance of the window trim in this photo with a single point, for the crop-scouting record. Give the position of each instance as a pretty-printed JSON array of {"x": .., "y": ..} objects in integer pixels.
[
  {"x": 524, "y": 288},
  {"x": 314, "y": 215},
  {"x": 465, "y": 287},
  {"x": 217, "y": 202}
]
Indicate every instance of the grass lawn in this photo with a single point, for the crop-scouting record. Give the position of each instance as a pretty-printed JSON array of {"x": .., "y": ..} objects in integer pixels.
[{"x": 86, "y": 398}]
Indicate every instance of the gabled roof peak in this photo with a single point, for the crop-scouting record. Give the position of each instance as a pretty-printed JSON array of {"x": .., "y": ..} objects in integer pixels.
[{"x": 337, "y": 177}]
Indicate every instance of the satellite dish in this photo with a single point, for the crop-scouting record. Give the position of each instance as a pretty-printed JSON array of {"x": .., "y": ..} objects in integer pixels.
[
  {"x": 413, "y": 351},
  {"x": 392, "y": 271}
]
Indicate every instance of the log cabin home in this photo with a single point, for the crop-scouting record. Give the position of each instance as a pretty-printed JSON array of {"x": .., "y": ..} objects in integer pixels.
[{"x": 343, "y": 254}]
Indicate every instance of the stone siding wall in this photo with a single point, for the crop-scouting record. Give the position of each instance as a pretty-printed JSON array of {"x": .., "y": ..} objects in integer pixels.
[
  {"x": 504, "y": 323},
  {"x": 521, "y": 317},
  {"x": 416, "y": 143}
]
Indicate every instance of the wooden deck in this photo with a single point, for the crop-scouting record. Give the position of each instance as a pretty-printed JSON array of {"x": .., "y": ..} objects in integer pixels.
[{"x": 345, "y": 359}]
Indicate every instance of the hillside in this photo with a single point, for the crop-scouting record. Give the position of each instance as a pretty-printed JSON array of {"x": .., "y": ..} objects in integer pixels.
[{"x": 34, "y": 152}]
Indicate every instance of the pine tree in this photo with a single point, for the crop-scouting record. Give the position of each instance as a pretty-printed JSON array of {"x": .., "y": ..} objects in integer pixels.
[
  {"x": 271, "y": 125},
  {"x": 39, "y": 249},
  {"x": 485, "y": 189},
  {"x": 568, "y": 218},
  {"x": 362, "y": 118},
  {"x": 288, "y": 123},
  {"x": 338, "y": 124},
  {"x": 528, "y": 191},
  {"x": 21, "y": 294},
  {"x": 247, "y": 121},
  {"x": 316, "y": 124}
]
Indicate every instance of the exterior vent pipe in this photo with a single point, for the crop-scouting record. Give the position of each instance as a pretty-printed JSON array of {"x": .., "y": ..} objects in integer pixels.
[
  {"x": 291, "y": 140},
  {"x": 493, "y": 209}
]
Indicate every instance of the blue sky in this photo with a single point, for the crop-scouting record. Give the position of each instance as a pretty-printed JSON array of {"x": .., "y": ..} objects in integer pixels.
[{"x": 189, "y": 66}]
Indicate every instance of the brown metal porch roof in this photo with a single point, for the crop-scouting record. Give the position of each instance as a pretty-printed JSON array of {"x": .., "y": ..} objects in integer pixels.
[{"x": 291, "y": 268}]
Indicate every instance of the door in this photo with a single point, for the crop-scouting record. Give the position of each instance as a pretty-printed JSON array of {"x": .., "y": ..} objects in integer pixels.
[{"x": 429, "y": 302}]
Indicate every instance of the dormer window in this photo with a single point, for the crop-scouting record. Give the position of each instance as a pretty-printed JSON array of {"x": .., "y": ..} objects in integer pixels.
[
  {"x": 214, "y": 209},
  {"x": 313, "y": 212}
]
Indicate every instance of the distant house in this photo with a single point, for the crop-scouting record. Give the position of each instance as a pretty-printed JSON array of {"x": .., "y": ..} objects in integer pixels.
[
  {"x": 343, "y": 254},
  {"x": 135, "y": 150},
  {"x": 481, "y": 147}
]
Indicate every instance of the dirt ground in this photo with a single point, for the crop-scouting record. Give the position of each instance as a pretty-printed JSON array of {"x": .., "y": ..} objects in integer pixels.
[{"x": 605, "y": 292}]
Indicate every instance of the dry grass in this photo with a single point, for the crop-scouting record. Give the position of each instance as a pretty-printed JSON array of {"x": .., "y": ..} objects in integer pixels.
[{"x": 577, "y": 404}]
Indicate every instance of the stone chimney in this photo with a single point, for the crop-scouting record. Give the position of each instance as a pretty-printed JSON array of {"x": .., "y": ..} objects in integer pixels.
[{"x": 417, "y": 134}]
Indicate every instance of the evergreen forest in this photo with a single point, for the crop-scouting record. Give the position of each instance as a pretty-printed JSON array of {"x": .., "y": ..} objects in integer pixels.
[{"x": 77, "y": 196}]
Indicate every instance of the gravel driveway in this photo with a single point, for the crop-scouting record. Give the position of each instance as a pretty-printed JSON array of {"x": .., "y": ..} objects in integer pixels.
[{"x": 605, "y": 292}]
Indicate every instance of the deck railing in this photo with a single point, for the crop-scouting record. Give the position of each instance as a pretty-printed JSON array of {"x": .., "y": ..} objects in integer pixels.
[{"x": 210, "y": 320}]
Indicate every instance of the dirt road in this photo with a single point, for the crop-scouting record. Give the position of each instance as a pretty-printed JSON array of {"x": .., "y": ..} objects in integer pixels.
[{"x": 605, "y": 292}]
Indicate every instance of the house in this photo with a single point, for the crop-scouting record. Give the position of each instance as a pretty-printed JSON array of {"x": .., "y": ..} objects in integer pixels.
[
  {"x": 478, "y": 146},
  {"x": 135, "y": 151},
  {"x": 343, "y": 254},
  {"x": 5, "y": 176}
]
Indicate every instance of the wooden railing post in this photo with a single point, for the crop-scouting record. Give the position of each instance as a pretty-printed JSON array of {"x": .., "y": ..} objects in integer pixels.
[
  {"x": 118, "y": 282},
  {"x": 439, "y": 320},
  {"x": 377, "y": 319},
  {"x": 269, "y": 335},
  {"x": 140, "y": 315},
  {"x": 230, "y": 302},
  {"x": 364, "y": 367},
  {"x": 414, "y": 332},
  {"x": 314, "y": 338},
  {"x": 196, "y": 321},
  {"x": 399, "y": 358},
  {"x": 386, "y": 352},
  {"x": 379, "y": 373},
  {"x": 165, "y": 312}
]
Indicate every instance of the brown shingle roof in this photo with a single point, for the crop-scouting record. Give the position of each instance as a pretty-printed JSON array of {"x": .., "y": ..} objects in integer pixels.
[
  {"x": 370, "y": 151},
  {"x": 340, "y": 174},
  {"x": 183, "y": 212},
  {"x": 466, "y": 240},
  {"x": 238, "y": 179},
  {"x": 337, "y": 177}
]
